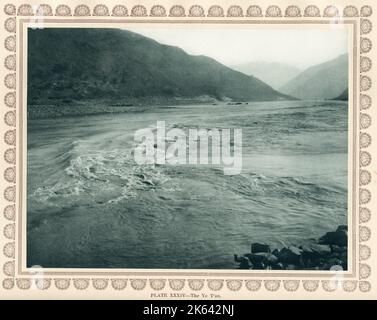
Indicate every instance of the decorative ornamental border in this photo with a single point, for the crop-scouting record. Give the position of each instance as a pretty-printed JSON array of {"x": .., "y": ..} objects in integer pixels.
[
  {"x": 361, "y": 15},
  {"x": 214, "y": 11}
]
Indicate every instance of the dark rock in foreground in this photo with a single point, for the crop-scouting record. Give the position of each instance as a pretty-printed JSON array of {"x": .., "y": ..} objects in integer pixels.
[
  {"x": 339, "y": 237},
  {"x": 290, "y": 255},
  {"x": 258, "y": 247},
  {"x": 328, "y": 251}
]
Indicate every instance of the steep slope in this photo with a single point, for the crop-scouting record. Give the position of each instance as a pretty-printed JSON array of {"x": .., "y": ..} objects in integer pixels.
[
  {"x": 343, "y": 96},
  {"x": 112, "y": 64},
  {"x": 323, "y": 81},
  {"x": 273, "y": 73}
]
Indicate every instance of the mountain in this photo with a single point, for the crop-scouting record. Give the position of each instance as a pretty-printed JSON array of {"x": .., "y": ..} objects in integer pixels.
[
  {"x": 323, "y": 81},
  {"x": 343, "y": 96},
  {"x": 118, "y": 65},
  {"x": 273, "y": 73}
]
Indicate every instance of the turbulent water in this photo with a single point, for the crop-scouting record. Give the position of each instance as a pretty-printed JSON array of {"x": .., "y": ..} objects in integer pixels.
[{"x": 90, "y": 205}]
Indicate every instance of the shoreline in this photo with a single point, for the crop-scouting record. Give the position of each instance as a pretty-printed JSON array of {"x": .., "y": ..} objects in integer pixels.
[
  {"x": 325, "y": 253},
  {"x": 88, "y": 108},
  {"x": 59, "y": 108}
]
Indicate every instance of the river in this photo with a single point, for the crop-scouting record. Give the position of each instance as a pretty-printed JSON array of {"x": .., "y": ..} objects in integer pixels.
[{"x": 91, "y": 206}]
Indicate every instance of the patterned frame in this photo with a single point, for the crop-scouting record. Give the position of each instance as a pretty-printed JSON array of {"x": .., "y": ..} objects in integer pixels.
[{"x": 360, "y": 15}]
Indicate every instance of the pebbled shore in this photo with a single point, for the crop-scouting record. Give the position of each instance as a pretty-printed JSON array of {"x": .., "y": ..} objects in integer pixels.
[{"x": 329, "y": 251}]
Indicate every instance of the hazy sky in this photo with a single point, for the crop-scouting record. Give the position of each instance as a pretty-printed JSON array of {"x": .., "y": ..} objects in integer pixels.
[{"x": 300, "y": 46}]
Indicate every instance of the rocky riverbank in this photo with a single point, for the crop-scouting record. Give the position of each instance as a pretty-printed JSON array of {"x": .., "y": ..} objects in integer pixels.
[
  {"x": 68, "y": 108},
  {"x": 316, "y": 254}
]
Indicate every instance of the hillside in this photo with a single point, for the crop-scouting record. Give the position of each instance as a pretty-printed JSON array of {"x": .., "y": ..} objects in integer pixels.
[
  {"x": 343, "y": 96},
  {"x": 323, "y": 81},
  {"x": 273, "y": 73},
  {"x": 119, "y": 66}
]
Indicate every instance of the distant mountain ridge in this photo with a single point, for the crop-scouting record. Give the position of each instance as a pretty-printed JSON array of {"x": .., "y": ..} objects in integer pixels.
[
  {"x": 118, "y": 65},
  {"x": 274, "y": 74},
  {"x": 323, "y": 81}
]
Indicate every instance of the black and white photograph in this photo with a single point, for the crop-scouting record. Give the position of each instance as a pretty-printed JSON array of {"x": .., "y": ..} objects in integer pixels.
[{"x": 188, "y": 147}]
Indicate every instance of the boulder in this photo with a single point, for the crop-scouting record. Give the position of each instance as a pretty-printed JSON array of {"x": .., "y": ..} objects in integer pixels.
[
  {"x": 344, "y": 258},
  {"x": 245, "y": 263},
  {"x": 275, "y": 252},
  {"x": 335, "y": 248},
  {"x": 315, "y": 251},
  {"x": 290, "y": 255},
  {"x": 344, "y": 255},
  {"x": 333, "y": 263},
  {"x": 338, "y": 238},
  {"x": 291, "y": 267},
  {"x": 255, "y": 258},
  {"x": 262, "y": 257},
  {"x": 278, "y": 266},
  {"x": 259, "y": 247},
  {"x": 259, "y": 266},
  {"x": 271, "y": 259}
]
